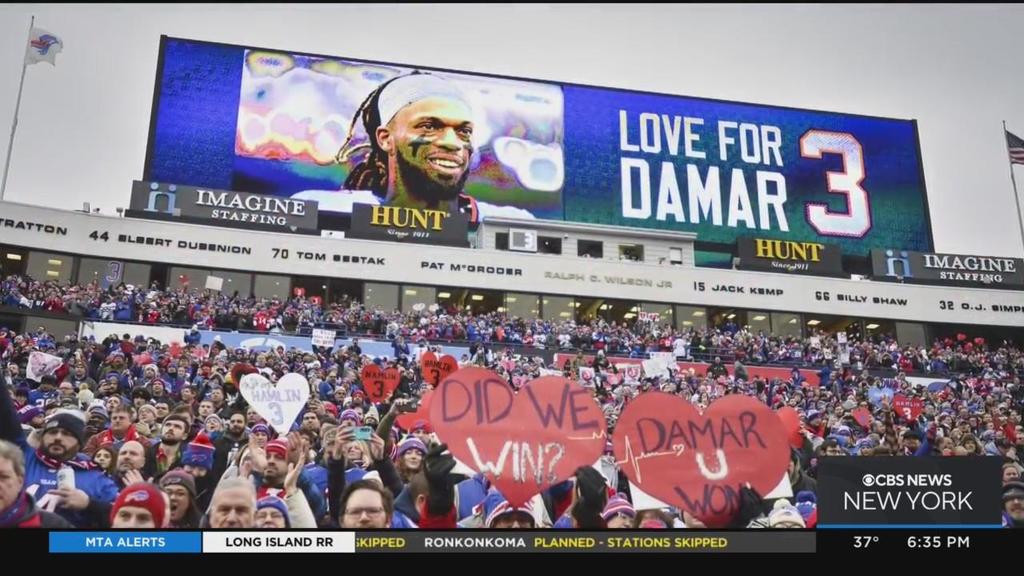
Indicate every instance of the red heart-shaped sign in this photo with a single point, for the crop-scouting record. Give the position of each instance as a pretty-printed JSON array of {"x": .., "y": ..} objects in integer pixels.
[
  {"x": 523, "y": 442},
  {"x": 435, "y": 370},
  {"x": 909, "y": 408},
  {"x": 406, "y": 421},
  {"x": 700, "y": 462},
  {"x": 791, "y": 423},
  {"x": 379, "y": 384},
  {"x": 863, "y": 416}
]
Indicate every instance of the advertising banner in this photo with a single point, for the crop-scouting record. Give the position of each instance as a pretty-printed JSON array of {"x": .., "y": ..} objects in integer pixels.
[
  {"x": 789, "y": 257},
  {"x": 950, "y": 269},
  {"x": 233, "y": 209}
]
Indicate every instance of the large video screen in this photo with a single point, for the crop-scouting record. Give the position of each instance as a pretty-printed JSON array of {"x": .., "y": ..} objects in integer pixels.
[{"x": 343, "y": 132}]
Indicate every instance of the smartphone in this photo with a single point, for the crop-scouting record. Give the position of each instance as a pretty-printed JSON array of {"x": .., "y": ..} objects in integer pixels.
[
  {"x": 66, "y": 478},
  {"x": 363, "y": 433}
]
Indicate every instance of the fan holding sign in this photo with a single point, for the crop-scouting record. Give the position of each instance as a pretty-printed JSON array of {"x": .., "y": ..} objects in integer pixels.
[
  {"x": 701, "y": 462},
  {"x": 523, "y": 442},
  {"x": 279, "y": 405}
]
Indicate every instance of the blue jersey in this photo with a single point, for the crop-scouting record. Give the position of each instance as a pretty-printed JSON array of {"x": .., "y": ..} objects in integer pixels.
[
  {"x": 41, "y": 478},
  {"x": 317, "y": 474},
  {"x": 39, "y": 398}
]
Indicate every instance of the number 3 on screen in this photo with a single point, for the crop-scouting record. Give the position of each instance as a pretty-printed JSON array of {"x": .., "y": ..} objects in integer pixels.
[{"x": 856, "y": 221}]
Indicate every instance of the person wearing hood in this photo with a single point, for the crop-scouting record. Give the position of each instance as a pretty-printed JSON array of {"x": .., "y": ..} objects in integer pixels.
[
  {"x": 121, "y": 430},
  {"x": 197, "y": 461}
]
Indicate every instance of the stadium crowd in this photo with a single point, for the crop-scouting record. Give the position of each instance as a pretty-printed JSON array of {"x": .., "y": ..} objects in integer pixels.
[
  {"x": 132, "y": 432},
  {"x": 207, "y": 309}
]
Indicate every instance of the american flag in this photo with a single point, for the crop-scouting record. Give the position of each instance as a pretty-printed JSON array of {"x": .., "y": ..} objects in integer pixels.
[{"x": 1016, "y": 147}]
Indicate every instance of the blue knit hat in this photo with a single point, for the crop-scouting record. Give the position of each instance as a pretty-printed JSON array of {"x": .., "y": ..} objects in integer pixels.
[
  {"x": 199, "y": 453},
  {"x": 411, "y": 443},
  {"x": 276, "y": 503}
]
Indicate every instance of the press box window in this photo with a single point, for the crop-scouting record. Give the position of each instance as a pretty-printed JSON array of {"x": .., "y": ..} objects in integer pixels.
[
  {"x": 549, "y": 245},
  {"x": 675, "y": 256},
  {"x": 631, "y": 252},
  {"x": 590, "y": 249},
  {"x": 501, "y": 241}
]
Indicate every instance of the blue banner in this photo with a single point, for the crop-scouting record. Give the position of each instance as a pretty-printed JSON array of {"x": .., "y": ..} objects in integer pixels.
[{"x": 126, "y": 542}]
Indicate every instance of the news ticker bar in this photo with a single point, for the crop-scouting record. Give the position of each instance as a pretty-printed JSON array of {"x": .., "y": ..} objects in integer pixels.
[
  {"x": 858, "y": 541},
  {"x": 454, "y": 542}
]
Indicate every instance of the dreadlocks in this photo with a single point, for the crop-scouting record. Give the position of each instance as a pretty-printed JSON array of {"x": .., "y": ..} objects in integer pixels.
[{"x": 371, "y": 173}]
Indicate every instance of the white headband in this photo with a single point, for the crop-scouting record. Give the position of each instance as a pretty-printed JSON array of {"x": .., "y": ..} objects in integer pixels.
[{"x": 407, "y": 90}]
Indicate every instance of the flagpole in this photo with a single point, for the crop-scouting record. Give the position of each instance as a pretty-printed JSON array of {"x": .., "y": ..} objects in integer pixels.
[
  {"x": 17, "y": 107},
  {"x": 1016, "y": 195}
]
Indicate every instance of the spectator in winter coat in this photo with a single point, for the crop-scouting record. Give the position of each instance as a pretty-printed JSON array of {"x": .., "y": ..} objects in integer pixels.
[
  {"x": 87, "y": 504},
  {"x": 19, "y": 509}
]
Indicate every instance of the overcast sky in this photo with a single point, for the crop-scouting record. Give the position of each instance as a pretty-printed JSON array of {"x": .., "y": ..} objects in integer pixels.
[{"x": 956, "y": 69}]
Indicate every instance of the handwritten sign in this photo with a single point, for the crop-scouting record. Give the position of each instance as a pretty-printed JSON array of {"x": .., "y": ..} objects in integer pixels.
[
  {"x": 379, "y": 384},
  {"x": 279, "y": 405},
  {"x": 909, "y": 408},
  {"x": 655, "y": 368},
  {"x": 323, "y": 338},
  {"x": 700, "y": 462},
  {"x": 523, "y": 442},
  {"x": 863, "y": 416},
  {"x": 436, "y": 369},
  {"x": 630, "y": 372},
  {"x": 791, "y": 423}
]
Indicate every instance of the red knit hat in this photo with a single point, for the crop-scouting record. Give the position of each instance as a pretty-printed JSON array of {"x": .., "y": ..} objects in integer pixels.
[
  {"x": 142, "y": 495},
  {"x": 277, "y": 446}
]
